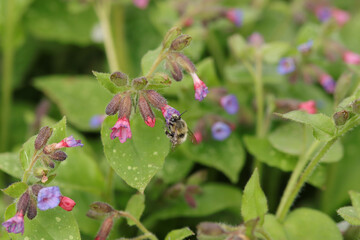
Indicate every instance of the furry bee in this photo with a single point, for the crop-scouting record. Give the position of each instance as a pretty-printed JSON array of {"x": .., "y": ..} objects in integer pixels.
[{"x": 177, "y": 130}]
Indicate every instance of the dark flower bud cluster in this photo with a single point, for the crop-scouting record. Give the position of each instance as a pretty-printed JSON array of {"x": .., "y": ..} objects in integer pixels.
[{"x": 221, "y": 231}]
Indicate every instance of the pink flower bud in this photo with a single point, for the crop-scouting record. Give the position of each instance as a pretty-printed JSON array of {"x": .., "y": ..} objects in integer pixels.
[
  {"x": 66, "y": 203},
  {"x": 105, "y": 229},
  {"x": 309, "y": 106},
  {"x": 351, "y": 58},
  {"x": 146, "y": 112},
  {"x": 198, "y": 137},
  {"x": 188, "y": 22},
  {"x": 142, "y": 4},
  {"x": 341, "y": 17},
  {"x": 121, "y": 130},
  {"x": 156, "y": 99},
  {"x": 201, "y": 89}
]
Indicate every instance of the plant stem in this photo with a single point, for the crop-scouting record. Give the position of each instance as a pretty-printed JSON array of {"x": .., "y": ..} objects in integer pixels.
[
  {"x": 33, "y": 161},
  {"x": 156, "y": 64},
  {"x": 149, "y": 234},
  {"x": 109, "y": 185},
  {"x": 7, "y": 75}
]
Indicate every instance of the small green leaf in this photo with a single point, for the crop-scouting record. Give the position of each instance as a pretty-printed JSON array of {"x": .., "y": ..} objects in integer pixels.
[
  {"x": 149, "y": 58},
  {"x": 355, "y": 200},
  {"x": 254, "y": 203},
  {"x": 179, "y": 234},
  {"x": 350, "y": 215},
  {"x": 274, "y": 228},
  {"x": 104, "y": 80},
  {"x": 139, "y": 158},
  {"x": 308, "y": 31},
  {"x": 16, "y": 189},
  {"x": 10, "y": 164},
  {"x": 323, "y": 126},
  {"x": 310, "y": 224},
  {"x": 273, "y": 51},
  {"x": 135, "y": 207}
]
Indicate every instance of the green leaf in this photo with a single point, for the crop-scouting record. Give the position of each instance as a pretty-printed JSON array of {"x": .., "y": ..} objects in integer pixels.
[
  {"x": 355, "y": 200},
  {"x": 230, "y": 151},
  {"x": 308, "y": 31},
  {"x": 350, "y": 215},
  {"x": 10, "y": 164},
  {"x": 52, "y": 224},
  {"x": 310, "y": 224},
  {"x": 135, "y": 207},
  {"x": 179, "y": 234},
  {"x": 51, "y": 20},
  {"x": 148, "y": 59},
  {"x": 139, "y": 158},
  {"x": 254, "y": 203},
  {"x": 27, "y": 151},
  {"x": 176, "y": 167},
  {"x": 16, "y": 189},
  {"x": 274, "y": 228},
  {"x": 264, "y": 152},
  {"x": 273, "y": 51},
  {"x": 65, "y": 90},
  {"x": 238, "y": 46},
  {"x": 323, "y": 125},
  {"x": 104, "y": 80}
]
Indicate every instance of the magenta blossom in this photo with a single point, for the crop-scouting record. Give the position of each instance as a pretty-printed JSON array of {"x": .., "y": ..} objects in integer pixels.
[
  {"x": 201, "y": 89},
  {"x": 198, "y": 137},
  {"x": 351, "y": 58},
  {"x": 48, "y": 197},
  {"x": 168, "y": 112},
  {"x": 121, "y": 130},
  {"x": 341, "y": 17},
  {"x": 235, "y": 16},
  {"x": 309, "y": 106},
  {"x": 69, "y": 142},
  {"x": 15, "y": 224},
  {"x": 323, "y": 13},
  {"x": 230, "y": 104},
  {"x": 142, "y": 4}
]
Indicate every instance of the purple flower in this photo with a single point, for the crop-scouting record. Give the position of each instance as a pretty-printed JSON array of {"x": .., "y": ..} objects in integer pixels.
[
  {"x": 323, "y": 13},
  {"x": 235, "y": 16},
  {"x": 15, "y": 224},
  {"x": 48, "y": 197},
  {"x": 305, "y": 47},
  {"x": 69, "y": 142},
  {"x": 201, "y": 90},
  {"x": 327, "y": 82},
  {"x": 220, "y": 131},
  {"x": 286, "y": 65},
  {"x": 97, "y": 120},
  {"x": 230, "y": 104},
  {"x": 168, "y": 112},
  {"x": 121, "y": 130}
]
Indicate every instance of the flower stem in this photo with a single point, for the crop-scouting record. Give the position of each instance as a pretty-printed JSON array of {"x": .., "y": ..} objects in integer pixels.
[
  {"x": 146, "y": 232},
  {"x": 33, "y": 161},
  {"x": 156, "y": 64}
]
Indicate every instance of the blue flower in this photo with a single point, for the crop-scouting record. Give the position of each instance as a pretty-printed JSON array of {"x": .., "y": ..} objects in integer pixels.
[
  {"x": 48, "y": 198},
  {"x": 305, "y": 47},
  {"x": 230, "y": 104},
  {"x": 220, "y": 131},
  {"x": 286, "y": 65}
]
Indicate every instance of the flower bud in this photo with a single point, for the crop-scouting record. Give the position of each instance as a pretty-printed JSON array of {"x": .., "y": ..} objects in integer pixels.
[
  {"x": 185, "y": 62},
  {"x": 356, "y": 106},
  {"x": 105, "y": 229},
  {"x": 51, "y": 164},
  {"x": 146, "y": 111},
  {"x": 113, "y": 106},
  {"x": 67, "y": 203},
  {"x": 175, "y": 190},
  {"x": 210, "y": 229},
  {"x": 180, "y": 42},
  {"x": 48, "y": 149},
  {"x": 32, "y": 210},
  {"x": 189, "y": 199},
  {"x": 43, "y": 137},
  {"x": 39, "y": 172},
  {"x": 341, "y": 117},
  {"x": 170, "y": 36},
  {"x": 175, "y": 69},
  {"x": 101, "y": 207},
  {"x": 36, "y": 188},
  {"x": 125, "y": 107},
  {"x": 139, "y": 83},
  {"x": 156, "y": 99},
  {"x": 119, "y": 79},
  {"x": 58, "y": 156},
  {"x": 23, "y": 202}
]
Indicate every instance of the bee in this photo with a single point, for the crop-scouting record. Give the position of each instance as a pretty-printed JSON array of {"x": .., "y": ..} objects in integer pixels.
[{"x": 177, "y": 130}]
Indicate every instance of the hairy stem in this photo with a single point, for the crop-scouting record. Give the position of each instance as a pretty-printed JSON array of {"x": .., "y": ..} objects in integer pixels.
[
  {"x": 156, "y": 64},
  {"x": 146, "y": 232},
  {"x": 28, "y": 170}
]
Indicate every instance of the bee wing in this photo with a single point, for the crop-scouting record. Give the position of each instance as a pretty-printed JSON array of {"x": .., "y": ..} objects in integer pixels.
[{"x": 192, "y": 136}]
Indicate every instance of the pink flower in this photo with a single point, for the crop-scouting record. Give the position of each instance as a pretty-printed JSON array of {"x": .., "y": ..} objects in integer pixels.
[
  {"x": 327, "y": 82},
  {"x": 142, "y": 4},
  {"x": 66, "y": 203},
  {"x": 351, "y": 58},
  {"x": 309, "y": 106},
  {"x": 201, "y": 89},
  {"x": 15, "y": 224},
  {"x": 69, "y": 142},
  {"x": 121, "y": 130},
  {"x": 341, "y": 17},
  {"x": 198, "y": 137}
]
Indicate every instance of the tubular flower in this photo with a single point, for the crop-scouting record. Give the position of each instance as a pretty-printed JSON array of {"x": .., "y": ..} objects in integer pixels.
[
  {"x": 220, "y": 131},
  {"x": 351, "y": 58},
  {"x": 121, "y": 130},
  {"x": 286, "y": 65},
  {"x": 235, "y": 16},
  {"x": 48, "y": 197},
  {"x": 168, "y": 111},
  {"x": 201, "y": 89},
  {"x": 69, "y": 142},
  {"x": 15, "y": 224},
  {"x": 327, "y": 82},
  {"x": 66, "y": 203},
  {"x": 230, "y": 103},
  {"x": 309, "y": 106}
]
